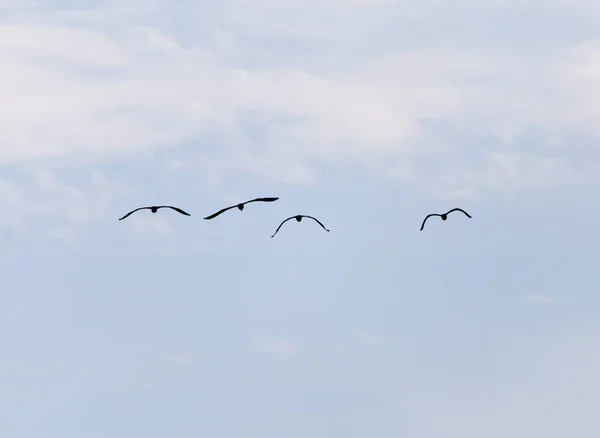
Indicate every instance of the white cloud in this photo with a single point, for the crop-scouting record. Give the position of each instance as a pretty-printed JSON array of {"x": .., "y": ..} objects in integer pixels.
[
  {"x": 110, "y": 83},
  {"x": 181, "y": 359},
  {"x": 278, "y": 348},
  {"x": 42, "y": 193},
  {"x": 539, "y": 299},
  {"x": 369, "y": 338}
]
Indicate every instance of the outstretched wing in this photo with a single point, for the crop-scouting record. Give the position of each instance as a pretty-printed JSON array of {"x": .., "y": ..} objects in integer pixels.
[
  {"x": 243, "y": 203},
  {"x": 277, "y": 230},
  {"x": 219, "y": 212},
  {"x": 262, "y": 200},
  {"x": 179, "y": 210},
  {"x": 133, "y": 211},
  {"x": 427, "y": 217},
  {"x": 459, "y": 209},
  {"x": 317, "y": 221}
]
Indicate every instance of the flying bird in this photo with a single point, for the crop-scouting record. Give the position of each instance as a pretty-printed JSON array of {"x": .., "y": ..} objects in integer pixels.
[
  {"x": 299, "y": 218},
  {"x": 241, "y": 206},
  {"x": 154, "y": 209},
  {"x": 443, "y": 216}
]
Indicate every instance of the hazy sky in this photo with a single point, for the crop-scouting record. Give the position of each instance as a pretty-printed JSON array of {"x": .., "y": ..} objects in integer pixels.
[{"x": 366, "y": 114}]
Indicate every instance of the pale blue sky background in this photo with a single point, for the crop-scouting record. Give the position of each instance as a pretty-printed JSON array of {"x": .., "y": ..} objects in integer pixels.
[{"x": 366, "y": 114}]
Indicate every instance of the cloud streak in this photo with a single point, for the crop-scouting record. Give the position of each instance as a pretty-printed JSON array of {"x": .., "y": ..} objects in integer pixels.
[{"x": 277, "y": 348}]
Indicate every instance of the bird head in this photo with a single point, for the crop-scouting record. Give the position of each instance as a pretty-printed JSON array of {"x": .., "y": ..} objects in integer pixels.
[
  {"x": 298, "y": 218},
  {"x": 240, "y": 206},
  {"x": 444, "y": 217},
  {"x": 153, "y": 209}
]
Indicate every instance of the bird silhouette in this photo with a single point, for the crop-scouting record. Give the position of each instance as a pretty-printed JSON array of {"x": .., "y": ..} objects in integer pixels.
[
  {"x": 241, "y": 206},
  {"x": 443, "y": 216},
  {"x": 154, "y": 209},
  {"x": 299, "y": 218}
]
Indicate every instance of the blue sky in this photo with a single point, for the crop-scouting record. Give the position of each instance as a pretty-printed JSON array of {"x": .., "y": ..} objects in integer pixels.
[{"x": 366, "y": 114}]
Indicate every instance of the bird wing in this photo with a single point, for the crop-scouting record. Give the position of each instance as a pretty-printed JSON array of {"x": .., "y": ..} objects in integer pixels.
[
  {"x": 243, "y": 203},
  {"x": 277, "y": 230},
  {"x": 459, "y": 209},
  {"x": 427, "y": 217},
  {"x": 133, "y": 211},
  {"x": 219, "y": 212},
  {"x": 262, "y": 200},
  {"x": 179, "y": 210},
  {"x": 317, "y": 221}
]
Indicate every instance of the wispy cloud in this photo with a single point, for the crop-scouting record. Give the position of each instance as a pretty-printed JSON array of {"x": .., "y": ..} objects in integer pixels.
[
  {"x": 42, "y": 193},
  {"x": 181, "y": 358},
  {"x": 539, "y": 299},
  {"x": 111, "y": 83},
  {"x": 277, "y": 347},
  {"x": 144, "y": 89},
  {"x": 369, "y": 338}
]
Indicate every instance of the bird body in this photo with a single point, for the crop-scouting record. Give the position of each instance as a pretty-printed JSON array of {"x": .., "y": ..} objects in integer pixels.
[
  {"x": 240, "y": 206},
  {"x": 154, "y": 209},
  {"x": 298, "y": 219},
  {"x": 444, "y": 216}
]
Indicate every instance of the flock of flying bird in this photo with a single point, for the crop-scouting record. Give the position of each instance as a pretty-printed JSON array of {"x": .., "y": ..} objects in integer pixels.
[{"x": 298, "y": 217}]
